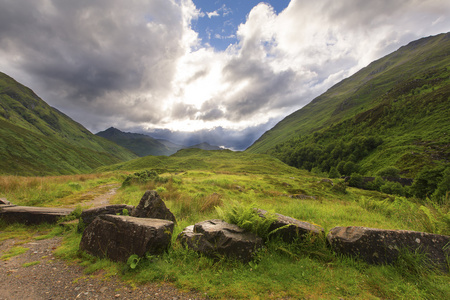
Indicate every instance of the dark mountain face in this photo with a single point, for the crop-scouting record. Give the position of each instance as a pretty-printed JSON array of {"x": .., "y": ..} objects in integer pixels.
[
  {"x": 401, "y": 100},
  {"x": 140, "y": 144}
]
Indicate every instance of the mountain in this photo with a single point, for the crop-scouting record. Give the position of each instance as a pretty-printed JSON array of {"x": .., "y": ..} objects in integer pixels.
[
  {"x": 205, "y": 146},
  {"x": 144, "y": 145},
  {"x": 36, "y": 139},
  {"x": 140, "y": 144},
  {"x": 394, "y": 112}
]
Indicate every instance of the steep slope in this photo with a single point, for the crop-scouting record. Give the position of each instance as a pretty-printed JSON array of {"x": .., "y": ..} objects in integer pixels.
[
  {"x": 402, "y": 99},
  {"x": 140, "y": 144},
  {"x": 35, "y": 135}
]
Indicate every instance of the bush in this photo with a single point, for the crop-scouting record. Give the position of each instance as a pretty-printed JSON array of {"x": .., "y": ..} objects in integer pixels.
[
  {"x": 389, "y": 172},
  {"x": 350, "y": 168},
  {"x": 426, "y": 182},
  {"x": 356, "y": 180},
  {"x": 334, "y": 173},
  {"x": 441, "y": 194},
  {"x": 143, "y": 177},
  {"x": 393, "y": 188}
]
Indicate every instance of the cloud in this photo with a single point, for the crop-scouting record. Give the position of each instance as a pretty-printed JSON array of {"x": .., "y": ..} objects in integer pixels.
[
  {"x": 212, "y": 14},
  {"x": 139, "y": 64}
]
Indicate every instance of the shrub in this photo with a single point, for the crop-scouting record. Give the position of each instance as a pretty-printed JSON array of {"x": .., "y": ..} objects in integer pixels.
[
  {"x": 389, "y": 172},
  {"x": 393, "y": 188},
  {"x": 247, "y": 217},
  {"x": 356, "y": 180},
  {"x": 143, "y": 177},
  {"x": 426, "y": 182},
  {"x": 441, "y": 194},
  {"x": 334, "y": 173}
]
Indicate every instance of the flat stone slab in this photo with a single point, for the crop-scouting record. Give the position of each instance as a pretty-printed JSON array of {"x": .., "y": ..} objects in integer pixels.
[
  {"x": 89, "y": 215},
  {"x": 119, "y": 237},
  {"x": 379, "y": 246},
  {"x": 290, "y": 229},
  {"x": 215, "y": 238},
  {"x": 32, "y": 215}
]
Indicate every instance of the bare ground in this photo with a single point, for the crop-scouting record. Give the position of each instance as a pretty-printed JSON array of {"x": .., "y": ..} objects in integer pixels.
[{"x": 51, "y": 278}]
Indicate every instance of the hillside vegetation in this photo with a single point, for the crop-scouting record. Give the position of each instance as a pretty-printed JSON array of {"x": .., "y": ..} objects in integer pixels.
[
  {"x": 37, "y": 139},
  {"x": 395, "y": 112}
]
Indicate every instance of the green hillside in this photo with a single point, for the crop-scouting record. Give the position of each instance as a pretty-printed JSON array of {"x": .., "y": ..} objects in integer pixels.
[
  {"x": 394, "y": 112},
  {"x": 140, "y": 144},
  {"x": 198, "y": 159},
  {"x": 37, "y": 139}
]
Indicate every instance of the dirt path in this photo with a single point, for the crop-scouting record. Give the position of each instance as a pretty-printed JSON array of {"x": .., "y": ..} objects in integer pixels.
[{"x": 47, "y": 277}]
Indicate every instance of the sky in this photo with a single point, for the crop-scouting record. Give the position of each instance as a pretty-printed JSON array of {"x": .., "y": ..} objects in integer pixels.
[{"x": 219, "y": 71}]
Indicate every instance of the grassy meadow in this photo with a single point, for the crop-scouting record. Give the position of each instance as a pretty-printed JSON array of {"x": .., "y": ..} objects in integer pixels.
[{"x": 198, "y": 185}]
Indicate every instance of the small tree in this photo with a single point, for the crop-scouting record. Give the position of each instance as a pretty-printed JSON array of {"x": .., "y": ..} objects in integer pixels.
[
  {"x": 334, "y": 173},
  {"x": 356, "y": 180}
]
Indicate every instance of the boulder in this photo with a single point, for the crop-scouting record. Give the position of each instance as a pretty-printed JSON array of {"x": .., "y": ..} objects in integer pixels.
[
  {"x": 3, "y": 201},
  {"x": 379, "y": 246},
  {"x": 89, "y": 215},
  {"x": 215, "y": 238},
  {"x": 119, "y": 237},
  {"x": 290, "y": 228},
  {"x": 32, "y": 215},
  {"x": 151, "y": 206}
]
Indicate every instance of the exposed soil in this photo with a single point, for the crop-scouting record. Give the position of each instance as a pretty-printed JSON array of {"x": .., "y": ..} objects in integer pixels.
[{"x": 53, "y": 278}]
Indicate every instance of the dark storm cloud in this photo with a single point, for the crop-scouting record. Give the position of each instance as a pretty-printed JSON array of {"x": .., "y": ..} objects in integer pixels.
[
  {"x": 93, "y": 51},
  {"x": 265, "y": 90}
]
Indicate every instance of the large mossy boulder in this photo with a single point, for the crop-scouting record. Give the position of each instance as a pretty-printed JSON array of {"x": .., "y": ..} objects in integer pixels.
[
  {"x": 151, "y": 206},
  {"x": 290, "y": 229},
  {"x": 379, "y": 246},
  {"x": 119, "y": 237},
  {"x": 215, "y": 238},
  {"x": 31, "y": 215}
]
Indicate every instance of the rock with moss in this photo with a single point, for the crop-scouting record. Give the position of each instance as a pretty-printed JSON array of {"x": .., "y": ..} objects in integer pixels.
[
  {"x": 119, "y": 237},
  {"x": 379, "y": 246},
  {"x": 215, "y": 238},
  {"x": 89, "y": 215},
  {"x": 152, "y": 206},
  {"x": 290, "y": 229}
]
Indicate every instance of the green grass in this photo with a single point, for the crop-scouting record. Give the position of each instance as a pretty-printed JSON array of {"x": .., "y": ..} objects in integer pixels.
[
  {"x": 200, "y": 181},
  {"x": 14, "y": 252}
]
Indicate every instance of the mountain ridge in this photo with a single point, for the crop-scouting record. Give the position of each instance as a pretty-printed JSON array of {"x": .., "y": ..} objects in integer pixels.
[{"x": 414, "y": 76}]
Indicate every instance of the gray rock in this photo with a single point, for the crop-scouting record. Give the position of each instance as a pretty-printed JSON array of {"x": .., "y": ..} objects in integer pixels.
[
  {"x": 89, "y": 215},
  {"x": 290, "y": 229},
  {"x": 32, "y": 215},
  {"x": 151, "y": 206},
  {"x": 119, "y": 237},
  {"x": 3, "y": 201},
  {"x": 379, "y": 246},
  {"x": 215, "y": 238}
]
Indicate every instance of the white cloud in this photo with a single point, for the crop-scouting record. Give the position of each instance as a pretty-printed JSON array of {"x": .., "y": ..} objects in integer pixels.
[{"x": 212, "y": 14}]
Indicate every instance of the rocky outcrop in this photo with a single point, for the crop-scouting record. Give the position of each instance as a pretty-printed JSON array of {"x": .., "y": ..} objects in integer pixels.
[
  {"x": 151, "y": 206},
  {"x": 32, "y": 215},
  {"x": 215, "y": 238},
  {"x": 89, "y": 215},
  {"x": 379, "y": 246},
  {"x": 289, "y": 228},
  {"x": 119, "y": 237}
]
